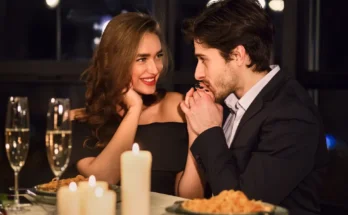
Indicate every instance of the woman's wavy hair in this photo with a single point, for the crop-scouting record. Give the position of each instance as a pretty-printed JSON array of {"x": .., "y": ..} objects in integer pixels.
[{"x": 108, "y": 77}]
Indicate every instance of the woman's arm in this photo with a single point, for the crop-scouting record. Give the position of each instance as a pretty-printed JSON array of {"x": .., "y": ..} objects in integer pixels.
[
  {"x": 189, "y": 183},
  {"x": 106, "y": 166}
]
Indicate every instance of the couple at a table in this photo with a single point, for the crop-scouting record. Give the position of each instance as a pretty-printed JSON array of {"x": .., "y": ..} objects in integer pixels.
[{"x": 271, "y": 146}]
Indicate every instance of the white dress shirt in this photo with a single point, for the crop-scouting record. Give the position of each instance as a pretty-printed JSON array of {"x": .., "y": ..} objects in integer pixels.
[{"x": 239, "y": 107}]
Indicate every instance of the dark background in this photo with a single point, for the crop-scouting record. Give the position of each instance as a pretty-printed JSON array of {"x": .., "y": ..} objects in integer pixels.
[{"x": 310, "y": 44}]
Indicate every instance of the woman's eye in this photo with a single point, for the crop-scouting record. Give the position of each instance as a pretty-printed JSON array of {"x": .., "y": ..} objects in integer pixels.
[
  {"x": 160, "y": 55},
  {"x": 141, "y": 59}
]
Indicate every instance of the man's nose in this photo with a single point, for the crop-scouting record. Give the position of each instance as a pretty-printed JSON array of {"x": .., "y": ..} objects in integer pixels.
[{"x": 199, "y": 73}]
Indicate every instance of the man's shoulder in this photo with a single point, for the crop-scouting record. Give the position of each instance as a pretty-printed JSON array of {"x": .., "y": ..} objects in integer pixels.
[{"x": 293, "y": 101}]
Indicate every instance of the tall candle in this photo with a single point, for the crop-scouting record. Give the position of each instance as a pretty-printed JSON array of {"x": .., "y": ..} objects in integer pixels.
[
  {"x": 86, "y": 188},
  {"x": 68, "y": 201},
  {"x": 101, "y": 202},
  {"x": 135, "y": 181}
]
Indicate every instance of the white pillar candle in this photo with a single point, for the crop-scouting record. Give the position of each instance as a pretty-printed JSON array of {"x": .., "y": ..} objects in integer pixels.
[
  {"x": 68, "y": 201},
  {"x": 101, "y": 202},
  {"x": 135, "y": 181},
  {"x": 86, "y": 189},
  {"x": 92, "y": 183}
]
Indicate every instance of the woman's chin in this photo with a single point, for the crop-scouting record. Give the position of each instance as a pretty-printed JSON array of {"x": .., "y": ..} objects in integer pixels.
[{"x": 146, "y": 91}]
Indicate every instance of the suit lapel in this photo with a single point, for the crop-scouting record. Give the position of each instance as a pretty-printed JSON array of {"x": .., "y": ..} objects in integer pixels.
[
  {"x": 266, "y": 94},
  {"x": 254, "y": 108}
]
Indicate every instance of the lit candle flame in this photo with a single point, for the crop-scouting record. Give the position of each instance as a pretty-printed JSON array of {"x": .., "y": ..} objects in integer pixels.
[
  {"x": 73, "y": 186},
  {"x": 92, "y": 181},
  {"x": 98, "y": 192},
  {"x": 135, "y": 148}
]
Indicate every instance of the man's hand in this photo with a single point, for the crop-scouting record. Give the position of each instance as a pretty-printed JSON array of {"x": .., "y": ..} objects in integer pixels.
[{"x": 201, "y": 111}]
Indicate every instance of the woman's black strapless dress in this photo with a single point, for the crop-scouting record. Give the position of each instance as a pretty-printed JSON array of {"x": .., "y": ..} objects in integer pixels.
[{"x": 167, "y": 142}]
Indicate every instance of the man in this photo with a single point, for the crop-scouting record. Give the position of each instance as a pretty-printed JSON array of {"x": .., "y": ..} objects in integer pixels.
[{"x": 272, "y": 145}]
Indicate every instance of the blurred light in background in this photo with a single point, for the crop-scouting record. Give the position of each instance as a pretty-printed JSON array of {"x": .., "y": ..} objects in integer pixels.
[
  {"x": 210, "y": 2},
  {"x": 262, "y": 2},
  {"x": 276, "y": 5},
  {"x": 104, "y": 21},
  {"x": 330, "y": 142},
  {"x": 52, "y": 3},
  {"x": 96, "y": 41}
]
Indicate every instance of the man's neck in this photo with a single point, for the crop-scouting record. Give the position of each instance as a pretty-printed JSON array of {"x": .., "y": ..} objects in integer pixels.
[{"x": 248, "y": 79}]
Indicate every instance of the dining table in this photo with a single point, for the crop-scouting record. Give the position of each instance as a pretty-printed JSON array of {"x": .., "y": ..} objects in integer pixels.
[{"x": 159, "y": 202}]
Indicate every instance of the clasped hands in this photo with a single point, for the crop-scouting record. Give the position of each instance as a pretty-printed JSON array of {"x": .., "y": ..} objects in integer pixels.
[{"x": 201, "y": 111}]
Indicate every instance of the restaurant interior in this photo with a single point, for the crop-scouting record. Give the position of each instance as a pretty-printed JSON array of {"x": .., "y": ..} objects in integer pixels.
[{"x": 44, "y": 49}]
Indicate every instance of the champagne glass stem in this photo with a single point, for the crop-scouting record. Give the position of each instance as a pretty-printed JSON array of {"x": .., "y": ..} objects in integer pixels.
[
  {"x": 16, "y": 199},
  {"x": 58, "y": 183}
]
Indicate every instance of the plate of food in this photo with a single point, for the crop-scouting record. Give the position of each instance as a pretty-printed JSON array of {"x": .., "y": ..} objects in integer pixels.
[
  {"x": 226, "y": 203},
  {"x": 46, "y": 193},
  {"x": 50, "y": 188}
]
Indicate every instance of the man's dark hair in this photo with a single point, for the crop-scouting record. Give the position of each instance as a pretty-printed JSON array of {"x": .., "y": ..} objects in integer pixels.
[{"x": 228, "y": 23}]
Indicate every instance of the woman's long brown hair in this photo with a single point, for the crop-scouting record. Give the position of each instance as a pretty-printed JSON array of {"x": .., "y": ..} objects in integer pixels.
[{"x": 108, "y": 76}]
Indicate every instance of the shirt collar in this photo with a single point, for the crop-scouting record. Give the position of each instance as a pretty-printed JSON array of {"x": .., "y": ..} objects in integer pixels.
[{"x": 232, "y": 101}]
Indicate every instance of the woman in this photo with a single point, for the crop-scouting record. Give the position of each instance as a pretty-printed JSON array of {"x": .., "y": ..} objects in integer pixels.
[{"x": 123, "y": 107}]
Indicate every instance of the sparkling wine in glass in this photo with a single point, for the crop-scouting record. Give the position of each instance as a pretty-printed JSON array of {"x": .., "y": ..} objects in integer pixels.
[
  {"x": 17, "y": 140},
  {"x": 58, "y": 136}
]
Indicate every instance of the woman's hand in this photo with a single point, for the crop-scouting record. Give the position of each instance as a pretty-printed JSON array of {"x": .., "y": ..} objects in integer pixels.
[{"x": 133, "y": 99}]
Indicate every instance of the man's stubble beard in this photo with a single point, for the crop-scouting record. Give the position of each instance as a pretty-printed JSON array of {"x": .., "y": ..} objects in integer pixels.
[{"x": 226, "y": 86}]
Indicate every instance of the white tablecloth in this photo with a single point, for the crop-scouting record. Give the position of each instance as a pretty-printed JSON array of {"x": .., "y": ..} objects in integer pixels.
[{"x": 158, "y": 204}]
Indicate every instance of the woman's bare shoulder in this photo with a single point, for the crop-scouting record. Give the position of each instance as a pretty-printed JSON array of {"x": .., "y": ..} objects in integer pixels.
[{"x": 171, "y": 106}]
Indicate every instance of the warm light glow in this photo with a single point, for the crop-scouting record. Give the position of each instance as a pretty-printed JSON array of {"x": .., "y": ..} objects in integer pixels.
[
  {"x": 73, "y": 186},
  {"x": 52, "y": 3},
  {"x": 60, "y": 109},
  {"x": 135, "y": 148},
  {"x": 19, "y": 108},
  {"x": 11, "y": 99},
  {"x": 276, "y": 5},
  {"x": 99, "y": 192},
  {"x": 52, "y": 100},
  {"x": 92, "y": 181}
]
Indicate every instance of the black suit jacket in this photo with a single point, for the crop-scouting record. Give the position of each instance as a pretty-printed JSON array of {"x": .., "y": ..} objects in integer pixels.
[{"x": 278, "y": 154}]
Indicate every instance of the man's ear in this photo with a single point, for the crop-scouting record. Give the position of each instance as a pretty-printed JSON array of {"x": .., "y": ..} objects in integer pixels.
[{"x": 239, "y": 55}]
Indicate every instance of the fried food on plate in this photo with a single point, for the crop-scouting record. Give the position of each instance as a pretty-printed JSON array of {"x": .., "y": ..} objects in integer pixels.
[
  {"x": 52, "y": 186},
  {"x": 227, "y": 202}
]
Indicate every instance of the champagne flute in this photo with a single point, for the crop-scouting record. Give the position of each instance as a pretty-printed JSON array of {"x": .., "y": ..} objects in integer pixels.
[
  {"x": 17, "y": 141},
  {"x": 58, "y": 136}
]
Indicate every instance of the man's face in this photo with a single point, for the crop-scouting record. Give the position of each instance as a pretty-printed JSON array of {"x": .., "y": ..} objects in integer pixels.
[{"x": 213, "y": 70}]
